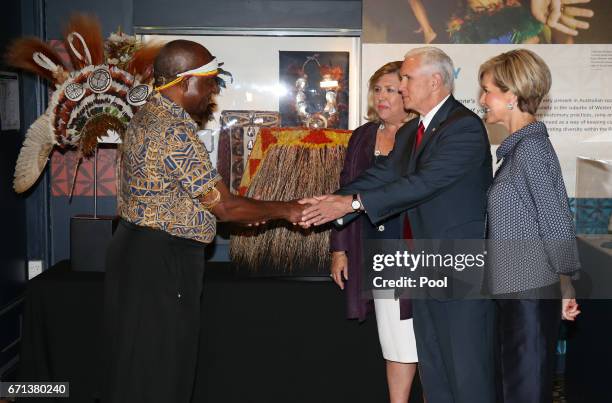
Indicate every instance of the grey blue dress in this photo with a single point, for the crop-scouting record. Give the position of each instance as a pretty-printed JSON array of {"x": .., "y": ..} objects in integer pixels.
[{"x": 531, "y": 241}]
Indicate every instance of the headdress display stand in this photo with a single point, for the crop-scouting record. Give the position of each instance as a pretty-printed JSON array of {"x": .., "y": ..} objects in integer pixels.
[{"x": 90, "y": 235}]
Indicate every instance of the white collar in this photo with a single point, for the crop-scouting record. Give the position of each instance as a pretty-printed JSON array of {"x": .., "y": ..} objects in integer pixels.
[{"x": 429, "y": 116}]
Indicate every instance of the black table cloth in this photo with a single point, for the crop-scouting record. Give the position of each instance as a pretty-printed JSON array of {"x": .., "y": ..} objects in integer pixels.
[{"x": 263, "y": 340}]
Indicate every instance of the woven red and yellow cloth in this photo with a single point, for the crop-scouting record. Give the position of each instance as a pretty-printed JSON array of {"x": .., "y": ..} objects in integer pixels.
[{"x": 270, "y": 137}]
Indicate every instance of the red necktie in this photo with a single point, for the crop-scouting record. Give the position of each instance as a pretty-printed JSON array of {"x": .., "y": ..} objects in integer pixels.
[
  {"x": 420, "y": 134},
  {"x": 419, "y": 138}
]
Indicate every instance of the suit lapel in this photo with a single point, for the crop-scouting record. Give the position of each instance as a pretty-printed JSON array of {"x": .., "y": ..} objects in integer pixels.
[{"x": 435, "y": 123}]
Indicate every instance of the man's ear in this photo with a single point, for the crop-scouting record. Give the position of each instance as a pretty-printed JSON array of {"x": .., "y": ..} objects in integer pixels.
[
  {"x": 436, "y": 81},
  {"x": 184, "y": 84}
]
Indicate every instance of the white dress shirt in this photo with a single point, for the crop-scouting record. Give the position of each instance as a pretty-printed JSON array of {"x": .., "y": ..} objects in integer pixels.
[{"x": 429, "y": 116}]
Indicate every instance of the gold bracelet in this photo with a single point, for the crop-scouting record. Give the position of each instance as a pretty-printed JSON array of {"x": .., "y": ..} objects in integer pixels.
[{"x": 213, "y": 202}]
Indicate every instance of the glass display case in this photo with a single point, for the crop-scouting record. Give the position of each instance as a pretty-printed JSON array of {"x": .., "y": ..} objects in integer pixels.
[{"x": 279, "y": 132}]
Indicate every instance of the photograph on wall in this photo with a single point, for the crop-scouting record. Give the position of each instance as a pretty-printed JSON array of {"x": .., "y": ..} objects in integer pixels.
[
  {"x": 486, "y": 21},
  {"x": 317, "y": 89},
  {"x": 9, "y": 101}
]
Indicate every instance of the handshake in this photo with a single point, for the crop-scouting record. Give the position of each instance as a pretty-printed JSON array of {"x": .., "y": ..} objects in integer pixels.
[
  {"x": 252, "y": 211},
  {"x": 317, "y": 210}
]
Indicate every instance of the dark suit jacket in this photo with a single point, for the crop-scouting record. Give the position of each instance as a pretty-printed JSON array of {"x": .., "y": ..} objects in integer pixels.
[{"x": 442, "y": 187}]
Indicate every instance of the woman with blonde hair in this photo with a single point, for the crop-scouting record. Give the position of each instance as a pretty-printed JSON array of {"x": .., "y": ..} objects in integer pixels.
[
  {"x": 369, "y": 143},
  {"x": 532, "y": 242}
]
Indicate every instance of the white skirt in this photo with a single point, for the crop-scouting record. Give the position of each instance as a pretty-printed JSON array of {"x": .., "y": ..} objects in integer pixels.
[{"x": 396, "y": 336}]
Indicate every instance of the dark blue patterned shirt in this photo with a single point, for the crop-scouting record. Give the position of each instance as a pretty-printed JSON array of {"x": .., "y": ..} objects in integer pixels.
[{"x": 164, "y": 169}]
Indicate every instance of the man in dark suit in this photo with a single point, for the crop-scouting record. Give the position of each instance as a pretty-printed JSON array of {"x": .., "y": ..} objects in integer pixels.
[{"x": 439, "y": 175}]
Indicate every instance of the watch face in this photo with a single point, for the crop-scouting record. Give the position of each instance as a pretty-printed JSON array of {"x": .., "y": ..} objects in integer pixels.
[{"x": 356, "y": 205}]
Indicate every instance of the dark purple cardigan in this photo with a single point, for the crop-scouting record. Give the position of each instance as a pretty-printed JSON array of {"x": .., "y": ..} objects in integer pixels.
[{"x": 359, "y": 157}]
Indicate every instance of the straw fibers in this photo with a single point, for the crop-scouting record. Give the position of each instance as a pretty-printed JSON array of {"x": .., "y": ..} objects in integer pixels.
[{"x": 290, "y": 172}]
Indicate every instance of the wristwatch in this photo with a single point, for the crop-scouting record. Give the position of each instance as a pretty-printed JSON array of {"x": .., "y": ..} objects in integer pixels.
[{"x": 356, "y": 204}]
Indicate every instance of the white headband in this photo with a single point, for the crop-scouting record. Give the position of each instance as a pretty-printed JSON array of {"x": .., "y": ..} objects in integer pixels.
[{"x": 203, "y": 70}]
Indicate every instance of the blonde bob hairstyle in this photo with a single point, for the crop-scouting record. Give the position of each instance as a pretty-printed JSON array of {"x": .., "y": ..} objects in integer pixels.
[
  {"x": 389, "y": 68},
  {"x": 521, "y": 72}
]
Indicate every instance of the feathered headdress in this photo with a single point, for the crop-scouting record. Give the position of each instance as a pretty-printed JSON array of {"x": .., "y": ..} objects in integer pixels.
[{"x": 107, "y": 83}]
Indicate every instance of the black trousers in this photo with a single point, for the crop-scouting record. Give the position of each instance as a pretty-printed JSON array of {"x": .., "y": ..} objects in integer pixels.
[
  {"x": 153, "y": 286},
  {"x": 528, "y": 333},
  {"x": 456, "y": 345}
]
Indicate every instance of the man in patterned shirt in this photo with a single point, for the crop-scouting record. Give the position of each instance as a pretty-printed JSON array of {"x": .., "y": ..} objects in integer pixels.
[{"x": 169, "y": 200}]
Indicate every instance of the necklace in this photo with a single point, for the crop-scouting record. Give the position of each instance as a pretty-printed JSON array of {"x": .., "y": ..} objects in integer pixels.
[{"x": 377, "y": 152}]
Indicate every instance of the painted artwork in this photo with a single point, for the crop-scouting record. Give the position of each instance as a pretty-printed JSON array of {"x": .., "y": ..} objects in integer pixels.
[
  {"x": 486, "y": 21},
  {"x": 71, "y": 177}
]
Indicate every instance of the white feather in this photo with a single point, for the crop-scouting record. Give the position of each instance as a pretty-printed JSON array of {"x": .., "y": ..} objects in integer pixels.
[{"x": 34, "y": 154}]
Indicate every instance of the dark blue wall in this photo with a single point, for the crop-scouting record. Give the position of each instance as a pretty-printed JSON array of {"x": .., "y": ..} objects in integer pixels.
[
  {"x": 112, "y": 14},
  {"x": 23, "y": 216},
  {"x": 13, "y": 211},
  {"x": 207, "y": 13},
  {"x": 249, "y": 13}
]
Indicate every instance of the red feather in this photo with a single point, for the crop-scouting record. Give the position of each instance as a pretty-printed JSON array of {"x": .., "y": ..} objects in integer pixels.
[
  {"x": 141, "y": 63},
  {"x": 19, "y": 54},
  {"x": 89, "y": 28}
]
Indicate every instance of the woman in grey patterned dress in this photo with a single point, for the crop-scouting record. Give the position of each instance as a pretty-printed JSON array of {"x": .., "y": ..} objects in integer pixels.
[{"x": 532, "y": 245}]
